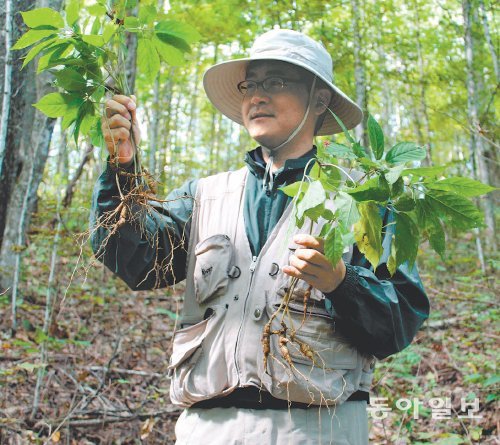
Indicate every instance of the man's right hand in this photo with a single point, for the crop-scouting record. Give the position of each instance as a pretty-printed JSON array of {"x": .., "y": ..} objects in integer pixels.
[{"x": 119, "y": 118}]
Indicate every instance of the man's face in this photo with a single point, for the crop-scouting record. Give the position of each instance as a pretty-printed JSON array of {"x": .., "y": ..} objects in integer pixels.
[{"x": 271, "y": 117}]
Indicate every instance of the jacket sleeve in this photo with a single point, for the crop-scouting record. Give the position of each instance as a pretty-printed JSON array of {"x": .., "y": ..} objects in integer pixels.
[
  {"x": 150, "y": 251},
  {"x": 380, "y": 314}
]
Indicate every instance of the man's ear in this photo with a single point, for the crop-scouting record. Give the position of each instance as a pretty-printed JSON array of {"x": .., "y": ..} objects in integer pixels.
[{"x": 323, "y": 97}]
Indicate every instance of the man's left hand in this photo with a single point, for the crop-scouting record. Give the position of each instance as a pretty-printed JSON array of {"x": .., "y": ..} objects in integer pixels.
[{"x": 311, "y": 265}]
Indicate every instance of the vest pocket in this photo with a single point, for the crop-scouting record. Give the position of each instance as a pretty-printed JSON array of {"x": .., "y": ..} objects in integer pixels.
[
  {"x": 197, "y": 366},
  {"x": 321, "y": 368},
  {"x": 214, "y": 257}
]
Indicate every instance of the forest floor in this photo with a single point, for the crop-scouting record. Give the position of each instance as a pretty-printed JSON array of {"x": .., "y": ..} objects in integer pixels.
[{"x": 104, "y": 378}]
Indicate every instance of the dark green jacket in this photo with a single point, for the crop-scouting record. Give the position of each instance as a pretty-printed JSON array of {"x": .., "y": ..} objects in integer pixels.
[{"x": 380, "y": 314}]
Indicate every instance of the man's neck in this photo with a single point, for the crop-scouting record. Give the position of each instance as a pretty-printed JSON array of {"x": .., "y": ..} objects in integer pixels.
[{"x": 281, "y": 155}]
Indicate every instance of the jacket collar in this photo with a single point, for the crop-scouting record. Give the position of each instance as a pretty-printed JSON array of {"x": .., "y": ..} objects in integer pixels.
[{"x": 257, "y": 165}]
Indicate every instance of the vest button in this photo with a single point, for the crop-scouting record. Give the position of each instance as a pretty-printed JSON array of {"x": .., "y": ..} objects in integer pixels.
[{"x": 257, "y": 313}]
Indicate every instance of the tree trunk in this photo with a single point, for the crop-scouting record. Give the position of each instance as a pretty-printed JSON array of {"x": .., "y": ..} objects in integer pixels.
[
  {"x": 70, "y": 188},
  {"x": 190, "y": 134},
  {"x": 7, "y": 80},
  {"x": 213, "y": 140},
  {"x": 487, "y": 35},
  {"x": 19, "y": 118},
  {"x": 359, "y": 73},
  {"x": 153, "y": 127},
  {"x": 21, "y": 180},
  {"x": 476, "y": 144},
  {"x": 422, "y": 84}
]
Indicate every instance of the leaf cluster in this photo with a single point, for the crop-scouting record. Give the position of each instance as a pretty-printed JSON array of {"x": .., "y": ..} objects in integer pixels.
[
  {"x": 351, "y": 202},
  {"x": 84, "y": 48}
]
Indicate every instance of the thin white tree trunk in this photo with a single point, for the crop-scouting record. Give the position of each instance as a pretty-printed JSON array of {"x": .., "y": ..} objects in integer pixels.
[
  {"x": 480, "y": 170},
  {"x": 422, "y": 81},
  {"x": 359, "y": 72},
  {"x": 7, "y": 88},
  {"x": 49, "y": 305},
  {"x": 155, "y": 119},
  {"x": 487, "y": 36}
]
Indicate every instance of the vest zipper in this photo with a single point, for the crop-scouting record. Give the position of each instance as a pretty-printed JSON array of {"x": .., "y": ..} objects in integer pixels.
[{"x": 253, "y": 265}]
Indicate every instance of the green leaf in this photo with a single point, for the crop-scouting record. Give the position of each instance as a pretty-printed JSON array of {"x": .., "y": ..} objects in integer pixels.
[
  {"x": 293, "y": 189},
  {"x": 314, "y": 196},
  {"x": 181, "y": 31},
  {"x": 33, "y": 52},
  {"x": 94, "y": 40},
  {"x": 315, "y": 171},
  {"x": 397, "y": 188},
  {"x": 458, "y": 211},
  {"x": 375, "y": 189},
  {"x": 394, "y": 173},
  {"x": 407, "y": 239},
  {"x": 436, "y": 236},
  {"x": 358, "y": 150},
  {"x": 109, "y": 30},
  {"x": 132, "y": 24},
  {"x": 376, "y": 137},
  {"x": 167, "y": 312},
  {"x": 405, "y": 204},
  {"x": 368, "y": 232},
  {"x": 347, "y": 209},
  {"x": 43, "y": 17},
  {"x": 367, "y": 164},
  {"x": 88, "y": 121},
  {"x": 314, "y": 213},
  {"x": 391, "y": 261},
  {"x": 97, "y": 10},
  {"x": 341, "y": 125},
  {"x": 405, "y": 152},
  {"x": 33, "y": 36},
  {"x": 53, "y": 104},
  {"x": 328, "y": 215},
  {"x": 70, "y": 80},
  {"x": 169, "y": 53},
  {"x": 463, "y": 186},
  {"x": 330, "y": 178},
  {"x": 425, "y": 171},
  {"x": 180, "y": 44},
  {"x": 340, "y": 151},
  {"x": 334, "y": 246},
  {"x": 70, "y": 115},
  {"x": 72, "y": 11},
  {"x": 53, "y": 55},
  {"x": 147, "y": 14},
  {"x": 148, "y": 59}
]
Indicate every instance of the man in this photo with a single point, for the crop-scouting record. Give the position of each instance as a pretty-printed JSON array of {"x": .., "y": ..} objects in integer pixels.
[{"x": 234, "y": 257}]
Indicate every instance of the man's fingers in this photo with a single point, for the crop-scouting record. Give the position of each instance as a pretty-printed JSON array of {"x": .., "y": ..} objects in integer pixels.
[
  {"x": 120, "y": 104},
  {"x": 310, "y": 242},
  {"x": 118, "y": 121},
  {"x": 294, "y": 272},
  {"x": 304, "y": 265},
  {"x": 114, "y": 136}
]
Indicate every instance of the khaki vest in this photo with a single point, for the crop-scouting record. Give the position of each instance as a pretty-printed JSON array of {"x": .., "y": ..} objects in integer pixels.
[{"x": 230, "y": 296}]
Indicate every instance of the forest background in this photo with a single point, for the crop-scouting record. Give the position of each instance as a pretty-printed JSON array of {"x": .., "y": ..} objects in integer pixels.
[{"x": 83, "y": 359}]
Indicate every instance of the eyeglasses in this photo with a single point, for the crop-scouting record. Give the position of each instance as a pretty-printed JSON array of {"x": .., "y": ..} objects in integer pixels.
[{"x": 271, "y": 85}]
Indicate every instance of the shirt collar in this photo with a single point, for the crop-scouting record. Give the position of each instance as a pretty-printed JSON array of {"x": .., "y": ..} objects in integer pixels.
[{"x": 257, "y": 165}]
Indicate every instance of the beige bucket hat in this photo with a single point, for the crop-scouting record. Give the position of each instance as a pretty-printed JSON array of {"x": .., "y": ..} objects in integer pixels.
[{"x": 220, "y": 80}]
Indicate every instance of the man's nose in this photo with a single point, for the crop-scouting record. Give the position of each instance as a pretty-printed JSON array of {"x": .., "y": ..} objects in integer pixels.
[{"x": 259, "y": 95}]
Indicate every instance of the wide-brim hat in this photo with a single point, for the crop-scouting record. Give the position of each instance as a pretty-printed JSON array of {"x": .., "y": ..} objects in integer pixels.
[{"x": 220, "y": 81}]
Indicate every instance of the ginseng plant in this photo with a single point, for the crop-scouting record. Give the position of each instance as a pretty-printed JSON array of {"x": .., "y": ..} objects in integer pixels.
[
  {"x": 350, "y": 201},
  {"x": 85, "y": 50}
]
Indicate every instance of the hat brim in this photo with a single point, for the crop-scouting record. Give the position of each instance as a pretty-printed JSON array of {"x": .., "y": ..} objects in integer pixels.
[{"x": 220, "y": 83}]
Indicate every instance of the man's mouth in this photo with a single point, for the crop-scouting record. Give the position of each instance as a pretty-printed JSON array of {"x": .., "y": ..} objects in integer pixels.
[{"x": 257, "y": 115}]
